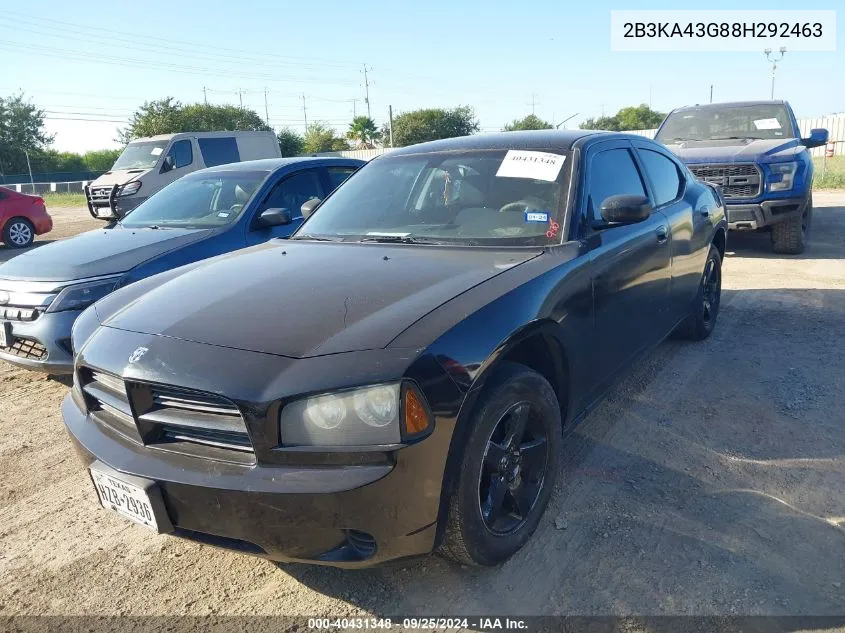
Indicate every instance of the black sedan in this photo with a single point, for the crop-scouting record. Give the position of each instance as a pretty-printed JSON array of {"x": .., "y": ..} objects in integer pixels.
[{"x": 397, "y": 377}]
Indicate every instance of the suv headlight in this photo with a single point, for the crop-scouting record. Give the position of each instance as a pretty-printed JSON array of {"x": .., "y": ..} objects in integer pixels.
[
  {"x": 129, "y": 189},
  {"x": 81, "y": 296},
  {"x": 782, "y": 176},
  {"x": 370, "y": 416}
]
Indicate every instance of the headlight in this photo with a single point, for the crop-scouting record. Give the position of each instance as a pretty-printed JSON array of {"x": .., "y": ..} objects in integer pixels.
[
  {"x": 369, "y": 416},
  {"x": 129, "y": 189},
  {"x": 782, "y": 176},
  {"x": 83, "y": 295}
]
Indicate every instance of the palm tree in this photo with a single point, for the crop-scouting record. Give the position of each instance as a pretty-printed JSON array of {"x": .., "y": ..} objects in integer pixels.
[{"x": 364, "y": 132}]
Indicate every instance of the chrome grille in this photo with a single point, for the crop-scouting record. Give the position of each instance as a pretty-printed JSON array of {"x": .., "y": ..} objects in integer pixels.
[
  {"x": 740, "y": 180},
  {"x": 26, "y": 348},
  {"x": 14, "y": 313}
]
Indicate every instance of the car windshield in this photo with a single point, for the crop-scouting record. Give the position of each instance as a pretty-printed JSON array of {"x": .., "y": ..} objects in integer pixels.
[
  {"x": 497, "y": 197},
  {"x": 765, "y": 121},
  {"x": 201, "y": 200},
  {"x": 140, "y": 155}
]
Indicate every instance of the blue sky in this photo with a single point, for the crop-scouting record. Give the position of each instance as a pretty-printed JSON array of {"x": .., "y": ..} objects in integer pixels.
[{"x": 100, "y": 60}]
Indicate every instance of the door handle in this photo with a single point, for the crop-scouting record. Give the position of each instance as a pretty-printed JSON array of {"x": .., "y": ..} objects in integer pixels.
[{"x": 662, "y": 234}]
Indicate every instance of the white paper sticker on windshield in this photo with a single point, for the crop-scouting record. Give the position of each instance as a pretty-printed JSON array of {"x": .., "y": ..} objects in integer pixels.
[
  {"x": 767, "y": 124},
  {"x": 536, "y": 165},
  {"x": 156, "y": 151}
]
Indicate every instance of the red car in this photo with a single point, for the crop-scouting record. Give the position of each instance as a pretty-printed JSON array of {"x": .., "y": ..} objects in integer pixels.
[{"x": 22, "y": 217}]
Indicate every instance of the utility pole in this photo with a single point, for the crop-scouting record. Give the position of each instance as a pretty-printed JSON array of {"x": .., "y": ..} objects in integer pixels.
[
  {"x": 304, "y": 113},
  {"x": 241, "y": 97},
  {"x": 204, "y": 96},
  {"x": 602, "y": 110},
  {"x": 774, "y": 63},
  {"x": 533, "y": 102},
  {"x": 29, "y": 167},
  {"x": 367, "y": 90},
  {"x": 354, "y": 101},
  {"x": 711, "y": 93},
  {"x": 390, "y": 123},
  {"x": 266, "y": 109}
]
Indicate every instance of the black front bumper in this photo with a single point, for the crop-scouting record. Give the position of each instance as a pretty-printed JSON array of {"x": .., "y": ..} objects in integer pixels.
[
  {"x": 339, "y": 515},
  {"x": 766, "y": 213}
]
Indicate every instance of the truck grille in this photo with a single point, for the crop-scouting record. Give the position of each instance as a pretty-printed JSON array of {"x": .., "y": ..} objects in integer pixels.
[
  {"x": 101, "y": 194},
  {"x": 739, "y": 180},
  {"x": 171, "y": 418}
]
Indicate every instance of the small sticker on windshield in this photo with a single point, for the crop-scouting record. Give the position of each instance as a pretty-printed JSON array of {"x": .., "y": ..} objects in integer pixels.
[
  {"x": 767, "y": 124},
  {"x": 537, "y": 216},
  {"x": 534, "y": 165},
  {"x": 156, "y": 151},
  {"x": 223, "y": 214}
]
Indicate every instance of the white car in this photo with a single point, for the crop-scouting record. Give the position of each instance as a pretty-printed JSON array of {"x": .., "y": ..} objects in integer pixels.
[{"x": 149, "y": 164}]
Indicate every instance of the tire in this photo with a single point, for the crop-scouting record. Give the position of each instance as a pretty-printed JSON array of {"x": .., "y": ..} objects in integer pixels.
[
  {"x": 18, "y": 233},
  {"x": 705, "y": 310},
  {"x": 790, "y": 237},
  {"x": 489, "y": 470}
]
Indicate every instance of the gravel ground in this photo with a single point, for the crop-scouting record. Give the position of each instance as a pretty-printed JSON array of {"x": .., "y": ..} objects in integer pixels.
[{"x": 710, "y": 482}]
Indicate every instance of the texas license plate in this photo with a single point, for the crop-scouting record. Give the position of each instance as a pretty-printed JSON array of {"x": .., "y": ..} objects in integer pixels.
[
  {"x": 126, "y": 499},
  {"x": 104, "y": 212},
  {"x": 5, "y": 334}
]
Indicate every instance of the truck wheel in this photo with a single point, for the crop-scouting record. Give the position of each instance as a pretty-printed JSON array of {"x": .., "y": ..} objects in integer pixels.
[
  {"x": 790, "y": 237},
  {"x": 508, "y": 469},
  {"x": 18, "y": 233},
  {"x": 702, "y": 318}
]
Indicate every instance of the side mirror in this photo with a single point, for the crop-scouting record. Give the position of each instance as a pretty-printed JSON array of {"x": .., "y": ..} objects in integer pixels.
[
  {"x": 817, "y": 138},
  {"x": 273, "y": 217},
  {"x": 625, "y": 209},
  {"x": 168, "y": 164},
  {"x": 308, "y": 207}
]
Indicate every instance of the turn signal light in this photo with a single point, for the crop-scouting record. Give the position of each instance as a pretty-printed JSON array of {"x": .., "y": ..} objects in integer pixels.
[{"x": 416, "y": 417}]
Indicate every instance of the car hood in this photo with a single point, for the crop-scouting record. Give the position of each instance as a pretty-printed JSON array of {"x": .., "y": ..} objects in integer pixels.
[
  {"x": 736, "y": 151},
  {"x": 301, "y": 299},
  {"x": 95, "y": 253},
  {"x": 119, "y": 177}
]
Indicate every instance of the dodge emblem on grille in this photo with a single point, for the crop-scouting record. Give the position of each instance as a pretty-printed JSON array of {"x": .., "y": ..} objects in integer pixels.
[{"x": 136, "y": 355}]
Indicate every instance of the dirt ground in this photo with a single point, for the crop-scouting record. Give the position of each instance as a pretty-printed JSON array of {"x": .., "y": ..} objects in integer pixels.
[{"x": 710, "y": 482}]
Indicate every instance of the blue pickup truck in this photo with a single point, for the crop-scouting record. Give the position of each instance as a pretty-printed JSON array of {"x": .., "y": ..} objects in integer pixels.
[{"x": 754, "y": 152}]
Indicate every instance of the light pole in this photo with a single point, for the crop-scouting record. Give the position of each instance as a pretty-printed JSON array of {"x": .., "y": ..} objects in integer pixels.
[
  {"x": 774, "y": 62},
  {"x": 557, "y": 127}
]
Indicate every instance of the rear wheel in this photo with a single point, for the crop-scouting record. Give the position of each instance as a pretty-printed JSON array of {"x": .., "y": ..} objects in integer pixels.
[
  {"x": 18, "y": 233},
  {"x": 790, "y": 237},
  {"x": 508, "y": 470},
  {"x": 702, "y": 318}
]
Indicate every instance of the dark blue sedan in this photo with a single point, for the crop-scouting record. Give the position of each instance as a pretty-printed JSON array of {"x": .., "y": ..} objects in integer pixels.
[{"x": 206, "y": 213}]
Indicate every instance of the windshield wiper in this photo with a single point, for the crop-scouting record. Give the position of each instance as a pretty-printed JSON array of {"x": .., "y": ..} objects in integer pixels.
[
  {"x": 316, "y": 238},
  {"x": 735, "y": 138},
  {"x": 397, "y": 239}
]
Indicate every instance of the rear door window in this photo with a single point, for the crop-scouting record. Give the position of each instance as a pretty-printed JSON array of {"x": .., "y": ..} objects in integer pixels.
[
  {"x": 664, "y": 176},
  {"x": 219, "y": 151}
]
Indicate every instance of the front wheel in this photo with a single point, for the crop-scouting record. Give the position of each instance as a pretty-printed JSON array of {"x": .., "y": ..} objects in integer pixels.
[
  {"x": 790, "y": 236},
  {"x": 18, "y": 233},
  {"x": 702, "y": 318},
  {"x": 508, "y": 471}
]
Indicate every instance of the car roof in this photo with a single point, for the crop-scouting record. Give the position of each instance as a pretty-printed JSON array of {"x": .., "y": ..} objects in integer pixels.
[
  {"x": 732, "y": 104},
  {"x": 272, "y": 164},
  {"x": 532, "y": 139}
]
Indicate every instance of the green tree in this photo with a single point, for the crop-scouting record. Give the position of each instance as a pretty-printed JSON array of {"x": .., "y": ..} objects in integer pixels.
[
  {"x": 21, "y": 130},
  {"x": 50, "y": 160},
  {"x": 529, "y": 122},
  {"x": 290, "y": 142},
  {"x": 100, "y": 159},
  {"x": 432, "y": 124},
  {"x": 639, "y": 117},
  {"x": 322, "y": 138},
  {"x": 167, "y": 116},
  {"x": 363, "y": 132}
]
